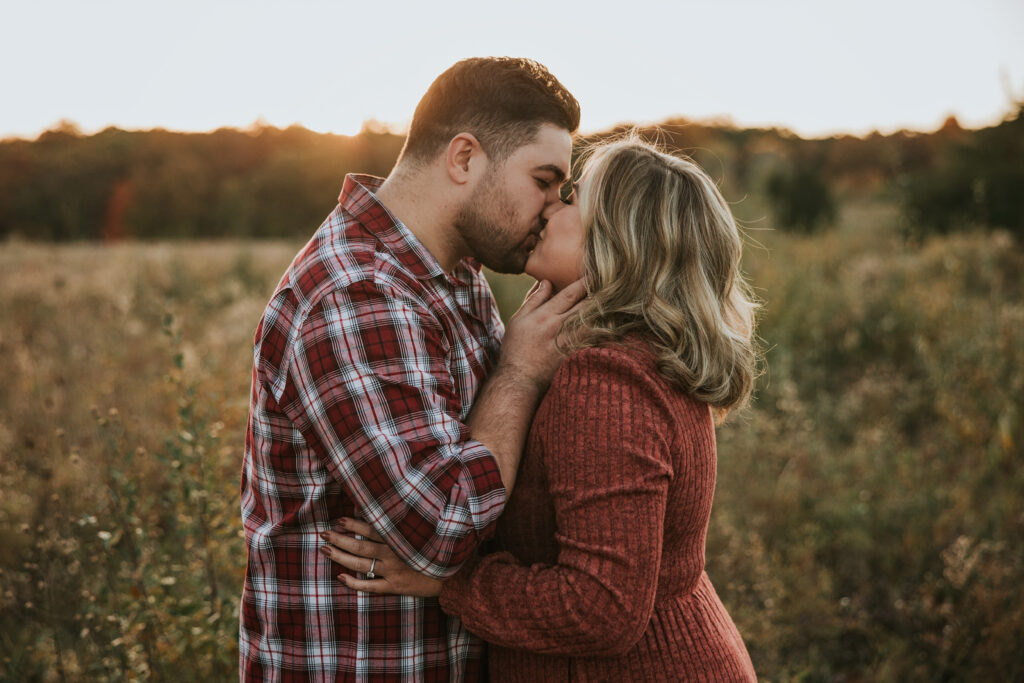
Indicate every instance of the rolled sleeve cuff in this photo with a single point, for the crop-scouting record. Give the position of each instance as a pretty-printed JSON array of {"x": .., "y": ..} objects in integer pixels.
[{"x": 482, "y": 482}]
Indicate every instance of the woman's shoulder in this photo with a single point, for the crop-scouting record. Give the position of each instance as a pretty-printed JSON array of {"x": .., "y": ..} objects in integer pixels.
[
  {"x": 631, "y": 351},
  {"x": 629, "y": 358},
  {"x": 629, "y": 361},
  {"x": 614, "y": 392}
]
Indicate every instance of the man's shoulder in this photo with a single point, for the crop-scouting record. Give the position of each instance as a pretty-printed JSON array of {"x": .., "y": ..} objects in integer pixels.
[
  {"x": 343, "y": 253},
  {"x": 342, "y": 262}
]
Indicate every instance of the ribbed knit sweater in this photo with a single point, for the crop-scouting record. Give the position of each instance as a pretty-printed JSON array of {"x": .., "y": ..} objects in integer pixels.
[{"x": 600, "y": 570}]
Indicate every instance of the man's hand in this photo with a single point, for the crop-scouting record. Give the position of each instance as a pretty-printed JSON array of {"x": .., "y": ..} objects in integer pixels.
[{"x": 529, "y": 352}]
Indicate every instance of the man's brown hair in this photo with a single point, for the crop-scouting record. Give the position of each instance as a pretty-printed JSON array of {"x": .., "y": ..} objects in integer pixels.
[{"x": 502, "y": 101}]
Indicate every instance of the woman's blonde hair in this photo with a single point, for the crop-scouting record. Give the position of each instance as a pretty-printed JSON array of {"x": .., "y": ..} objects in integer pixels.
[{"x": 662, "y": 259}]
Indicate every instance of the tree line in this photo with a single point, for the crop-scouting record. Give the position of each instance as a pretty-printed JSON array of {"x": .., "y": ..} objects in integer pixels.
[{"x": 266, "y": 182}]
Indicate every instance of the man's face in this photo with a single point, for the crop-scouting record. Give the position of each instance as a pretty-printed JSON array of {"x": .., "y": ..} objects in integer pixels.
[{"x": 501, "y": 222}]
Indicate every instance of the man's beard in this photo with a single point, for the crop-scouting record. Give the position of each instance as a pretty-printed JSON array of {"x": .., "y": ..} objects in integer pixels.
[{"x": 486, "y": 223}]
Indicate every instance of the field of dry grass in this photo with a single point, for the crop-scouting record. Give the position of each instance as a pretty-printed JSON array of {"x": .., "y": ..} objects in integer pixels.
[{"x": 868, "y": 523}]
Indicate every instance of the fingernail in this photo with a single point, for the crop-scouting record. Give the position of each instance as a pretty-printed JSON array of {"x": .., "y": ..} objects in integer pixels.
[
  {"x": 323, "y": 535},
  {"x": 324, "y": 550}
]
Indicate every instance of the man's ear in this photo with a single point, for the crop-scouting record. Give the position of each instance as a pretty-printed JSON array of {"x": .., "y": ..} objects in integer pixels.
[{"x": 464, "y": 159}]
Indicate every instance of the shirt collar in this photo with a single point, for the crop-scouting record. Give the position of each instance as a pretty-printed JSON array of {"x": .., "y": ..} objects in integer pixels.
[{"x": 359, "y": 200}]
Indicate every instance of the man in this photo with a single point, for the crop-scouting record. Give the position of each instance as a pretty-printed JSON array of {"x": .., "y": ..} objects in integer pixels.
[{"x": 368, "y": 395}]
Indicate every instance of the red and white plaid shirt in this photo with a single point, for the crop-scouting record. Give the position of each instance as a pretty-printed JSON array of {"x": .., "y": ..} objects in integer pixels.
[{"x": 366, "y": 363}]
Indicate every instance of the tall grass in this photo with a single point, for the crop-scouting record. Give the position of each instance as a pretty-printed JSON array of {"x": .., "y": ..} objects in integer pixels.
[
  {"x": 868, "y": 522},
  {"x": 126, "y": 375}
]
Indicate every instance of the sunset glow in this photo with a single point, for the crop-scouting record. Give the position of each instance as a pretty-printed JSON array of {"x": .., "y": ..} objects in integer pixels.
[{"x": 817, "y": 68}]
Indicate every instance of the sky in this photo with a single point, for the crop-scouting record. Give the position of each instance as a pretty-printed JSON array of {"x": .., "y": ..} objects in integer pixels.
[{"x": 818, "y": 68}]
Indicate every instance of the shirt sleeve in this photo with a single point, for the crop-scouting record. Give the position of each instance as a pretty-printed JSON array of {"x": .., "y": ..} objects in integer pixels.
[
  {"x": 374, "y": 394},
  {"x": 608, "y": 470}
]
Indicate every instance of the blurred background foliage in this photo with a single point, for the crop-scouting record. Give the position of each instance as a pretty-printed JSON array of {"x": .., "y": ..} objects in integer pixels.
[
  {"x": 868, "y": 522},
  {"x": 266, "y": 182}
]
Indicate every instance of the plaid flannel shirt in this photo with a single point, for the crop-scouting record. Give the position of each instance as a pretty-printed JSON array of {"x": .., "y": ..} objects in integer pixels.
[{"x": 365, "y": 366}]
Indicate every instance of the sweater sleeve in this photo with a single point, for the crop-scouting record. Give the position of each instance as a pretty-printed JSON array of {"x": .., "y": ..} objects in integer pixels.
[{"x": 608, "y": 468}]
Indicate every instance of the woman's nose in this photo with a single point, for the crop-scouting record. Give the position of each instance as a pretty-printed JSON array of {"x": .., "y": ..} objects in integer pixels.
[{"x": 551, "y": 209}]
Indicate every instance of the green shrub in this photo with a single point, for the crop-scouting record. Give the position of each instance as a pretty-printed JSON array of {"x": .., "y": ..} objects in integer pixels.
[{"x": 800, "y": 196}]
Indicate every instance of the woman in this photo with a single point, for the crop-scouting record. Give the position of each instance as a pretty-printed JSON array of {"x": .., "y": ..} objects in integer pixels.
[{"x": 600, "y": 570}]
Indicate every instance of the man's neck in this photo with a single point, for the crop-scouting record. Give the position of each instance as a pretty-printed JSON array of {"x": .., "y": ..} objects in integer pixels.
[{"x": 426, "y": 212}]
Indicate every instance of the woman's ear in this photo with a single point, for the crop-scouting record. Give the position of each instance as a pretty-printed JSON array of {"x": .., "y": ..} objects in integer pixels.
[{"x": 464, "y": 159}]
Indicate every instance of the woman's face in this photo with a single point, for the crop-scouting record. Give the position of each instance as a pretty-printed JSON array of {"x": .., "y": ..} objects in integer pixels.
[{"x": 558, "y": 256}]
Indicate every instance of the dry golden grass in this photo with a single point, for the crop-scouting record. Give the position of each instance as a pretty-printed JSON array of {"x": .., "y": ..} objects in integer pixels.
[{"x": 868, "y": 523}]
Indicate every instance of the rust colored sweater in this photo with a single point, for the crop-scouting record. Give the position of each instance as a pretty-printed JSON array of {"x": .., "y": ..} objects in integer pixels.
[{"x": 600, "y": 574}]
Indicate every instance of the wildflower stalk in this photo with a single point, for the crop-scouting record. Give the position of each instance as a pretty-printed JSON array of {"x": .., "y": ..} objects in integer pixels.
[{"x": 122, "y": 492}]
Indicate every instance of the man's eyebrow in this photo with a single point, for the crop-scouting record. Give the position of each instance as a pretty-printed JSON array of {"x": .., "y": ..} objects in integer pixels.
[{"x": 551, "y": 168}]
